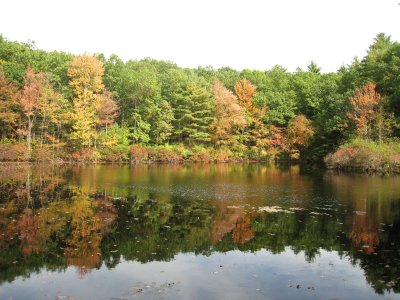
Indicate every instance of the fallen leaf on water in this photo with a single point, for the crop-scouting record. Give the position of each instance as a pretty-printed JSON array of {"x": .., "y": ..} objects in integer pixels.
[
  {"x": 273, "y": 209},
  {"x": 360, "y": 213}
]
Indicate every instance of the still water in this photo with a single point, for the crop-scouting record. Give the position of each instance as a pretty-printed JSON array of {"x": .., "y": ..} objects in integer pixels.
[{"x": 222, "y": 231}]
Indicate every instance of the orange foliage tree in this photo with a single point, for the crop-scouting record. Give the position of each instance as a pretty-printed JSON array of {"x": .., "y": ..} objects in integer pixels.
[
  {"x": 256, "y": 132},
  {"x": 299, "y": 133},
  {"x": 29, "y": 102},
  {"x": 229, "y": 116},
  {"x": 8, "y": 112},
  {"x": 107, "y": 110},
  {"x": 40, "y": 106},
  {"x": 364, "y": 108},
  {"x": 277, "y": 140}
]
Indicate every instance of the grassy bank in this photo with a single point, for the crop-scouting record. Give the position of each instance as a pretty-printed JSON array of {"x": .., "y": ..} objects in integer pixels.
[{"x": 366, "y": 156}]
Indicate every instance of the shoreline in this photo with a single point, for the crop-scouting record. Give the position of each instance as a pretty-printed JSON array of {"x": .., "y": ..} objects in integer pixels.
[{"x": 307, "y": 166}]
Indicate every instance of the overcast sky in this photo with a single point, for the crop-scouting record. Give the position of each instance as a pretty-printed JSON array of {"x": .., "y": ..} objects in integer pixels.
[{"x": 253, "y": 34}]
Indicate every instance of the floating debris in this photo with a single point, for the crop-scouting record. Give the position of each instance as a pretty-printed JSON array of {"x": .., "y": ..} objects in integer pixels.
[
  {"x": 274, "y": 209},
  {"x": 297, "y": 208},
  {"x": 319, "y": 214},
  {"x": 315, "y": 213},
  {"x": 360, "y": 213},
  {"x": 150, "y": 288}
]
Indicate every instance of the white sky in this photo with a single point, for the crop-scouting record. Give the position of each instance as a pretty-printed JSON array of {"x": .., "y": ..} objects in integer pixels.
[{"x": 253, "y": 34}]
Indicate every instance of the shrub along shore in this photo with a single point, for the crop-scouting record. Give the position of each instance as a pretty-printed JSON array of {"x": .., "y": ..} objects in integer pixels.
[
  {"x": 366, "y": 156},
  {"x": 134, "y": 154},
  {"x": 355, "y": 156}
]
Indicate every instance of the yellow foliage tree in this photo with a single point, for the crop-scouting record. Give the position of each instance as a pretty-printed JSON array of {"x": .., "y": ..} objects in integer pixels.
[
  {"x": 245, "y": 92},
  {"x": 85, "y": 73}
]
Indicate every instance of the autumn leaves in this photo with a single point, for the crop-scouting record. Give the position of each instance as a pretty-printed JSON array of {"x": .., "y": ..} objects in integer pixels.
[
  {"x": 238, "y": 121},
  {"x": 93, "y": 106}
]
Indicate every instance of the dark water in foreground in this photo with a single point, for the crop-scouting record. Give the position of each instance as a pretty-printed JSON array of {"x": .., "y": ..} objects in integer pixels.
[{"x": 197, "y": 232}]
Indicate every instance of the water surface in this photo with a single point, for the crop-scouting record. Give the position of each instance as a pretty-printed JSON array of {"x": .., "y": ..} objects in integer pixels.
[{"x": 223, "y": 231}]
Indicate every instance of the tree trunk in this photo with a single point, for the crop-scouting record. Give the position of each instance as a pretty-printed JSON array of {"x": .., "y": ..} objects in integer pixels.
[
  {"x": 29, "y": 137},
  {"x": 28, "y": 189}
]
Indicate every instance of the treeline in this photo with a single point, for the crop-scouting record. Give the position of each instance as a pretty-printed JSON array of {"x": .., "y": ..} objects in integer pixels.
[{"x": 58, "y": 106}]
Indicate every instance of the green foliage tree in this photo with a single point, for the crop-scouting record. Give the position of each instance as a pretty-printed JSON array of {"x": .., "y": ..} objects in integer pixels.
[
  {"x": 198, "y": 115},
  {"x": 174, "y": 84},
  {"x": 279, "y": 96},
  {"x": 227, "y": 76},
  {"x": 162, "y": 126}
]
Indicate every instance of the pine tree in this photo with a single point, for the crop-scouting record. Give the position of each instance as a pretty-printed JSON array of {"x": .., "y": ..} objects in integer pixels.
[{"x": 200, "y": 117}]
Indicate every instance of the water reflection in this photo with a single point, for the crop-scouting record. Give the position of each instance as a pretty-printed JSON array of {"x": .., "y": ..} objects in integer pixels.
[{"x": 53, "y": 217}]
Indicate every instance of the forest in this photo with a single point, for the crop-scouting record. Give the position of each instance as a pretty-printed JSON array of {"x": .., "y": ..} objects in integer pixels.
[{"x": 60, "y": 107}]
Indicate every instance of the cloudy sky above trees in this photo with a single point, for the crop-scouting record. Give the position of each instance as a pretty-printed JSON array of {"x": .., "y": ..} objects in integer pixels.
[{"x": 254, "y": 34}]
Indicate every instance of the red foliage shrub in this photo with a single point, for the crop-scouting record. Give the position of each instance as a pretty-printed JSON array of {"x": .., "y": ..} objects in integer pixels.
[
  {"x": 202, "y": 156},
  {"x": 112, "y": 156},
  {"x": 166, "y": 155},
  {"x": 222, "y": 156},
  {"x": 13, "y": 152},
  {"x": 42, "y": 154},
  {"x": 139, "y": 153},
  {"x": 341, "y": 158},
  {"x": 83, "y": 155},
  {"x": 365, "y": 158},
  {"x": 76, "y": 156}
]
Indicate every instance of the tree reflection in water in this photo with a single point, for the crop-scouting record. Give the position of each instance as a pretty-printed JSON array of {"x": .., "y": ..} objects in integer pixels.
[{"x": 86, "y": 217}]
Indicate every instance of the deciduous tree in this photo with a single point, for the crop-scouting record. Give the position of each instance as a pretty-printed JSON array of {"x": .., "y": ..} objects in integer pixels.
[
  {"x": 53, "y": 111},
  {"x": 29, "y": 102},
  {"x": 85, "y": 75},
  {"x": 8, "y": 105},
  {"x": 245, "y": 92},
  {"x": 107, "y": 110},
  {"x": 229, "y": 116},
  {"x": 364, "y": 108},
  {"x": 299, "y": 133}
]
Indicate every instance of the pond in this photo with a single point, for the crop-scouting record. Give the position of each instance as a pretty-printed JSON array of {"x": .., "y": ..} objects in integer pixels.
[{"x": 218, "y": 231}]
